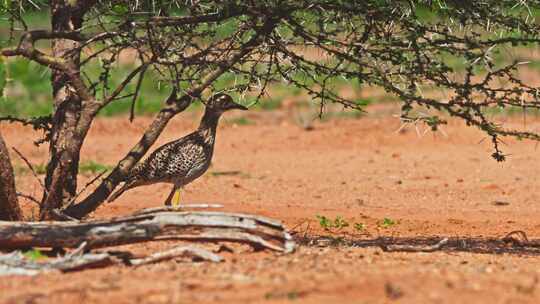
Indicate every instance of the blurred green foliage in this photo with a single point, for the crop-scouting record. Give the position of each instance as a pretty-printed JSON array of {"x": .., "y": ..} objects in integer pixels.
[{"x": 25, "y": 89}]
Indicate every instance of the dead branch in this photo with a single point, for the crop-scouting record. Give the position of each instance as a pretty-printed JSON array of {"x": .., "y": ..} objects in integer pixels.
[
  {"x": 91, "y": 182},
  {"x": 177, "y": 252},
  {"x": 79, "y": 250},
  {"x": 181, "y": 207},
  {"x": 61, "y": 216},
  {"x": 28, "y": 197},
  {"x": 511, "y": 238},
  {"x": 195, "y": 226},
  {"x": 16, "y": 263},
  {"x": 413, "y": 248}
]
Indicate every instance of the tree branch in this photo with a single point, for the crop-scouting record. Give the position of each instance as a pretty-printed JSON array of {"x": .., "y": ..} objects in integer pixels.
[
  {"x": 174, "y": 106},
  {"x": 185, "y": 20},
  {"x": 26, "y": 49}
]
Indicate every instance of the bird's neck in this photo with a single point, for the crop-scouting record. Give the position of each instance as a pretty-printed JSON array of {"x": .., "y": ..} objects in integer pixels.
[{"x": 209, "y": 124}]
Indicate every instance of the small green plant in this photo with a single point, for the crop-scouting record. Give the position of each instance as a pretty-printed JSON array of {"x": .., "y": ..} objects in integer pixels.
[
  {"x": 40, "y": 168},
  {"x": 340, "y": 223},
  {"x": 326, "y": 223},
  {"x": 34, "y": 254},
  {"x": 19, "y": 169},
  {"x": 23, "y": 169},
  {"x": 387, "y": 223},
  {"x": 359, "y": 227},
  {"x": 84, "y": 168},
  {"x": 291, "y": 295}
]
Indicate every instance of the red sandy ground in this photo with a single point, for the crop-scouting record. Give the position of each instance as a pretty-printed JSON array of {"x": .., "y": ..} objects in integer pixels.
[{"x": 360, "y": 169}]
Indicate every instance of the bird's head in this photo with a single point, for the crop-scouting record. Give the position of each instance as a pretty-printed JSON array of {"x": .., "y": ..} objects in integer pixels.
[{"x": 223, "y": 102}]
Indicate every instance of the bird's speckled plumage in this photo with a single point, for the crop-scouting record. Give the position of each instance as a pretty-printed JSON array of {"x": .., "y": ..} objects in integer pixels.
[
  {"x": 178, "y": 162},
  {"x": 181, "y": 161}
]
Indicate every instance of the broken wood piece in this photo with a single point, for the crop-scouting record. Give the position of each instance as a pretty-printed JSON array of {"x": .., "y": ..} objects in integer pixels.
[
  {"x": 16, "y": 263},
  {"x": 185, "y": 225},
  {"x": 80, "y": 250},
  {"x": 414, "y": 248},
  {"x": 178, "y": 252},
  {"x": 182, "y": 207}
]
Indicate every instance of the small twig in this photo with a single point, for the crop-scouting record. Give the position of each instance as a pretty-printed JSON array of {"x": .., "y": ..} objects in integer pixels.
[
  {"x": 37, "y": 123},
  {"x": 307, "y": 229},
  {"x": 64, "y": 216},
  {"x": 228, "y": 173},
  {"x": 78, "y": 251},
  {"x": 509, "y": 237},
  {"x": 293, "y": 229},
  {"x": 31, "y": 169},
  {"x": 93, "y": 180},
  {"x": 28, "y": 197},
  {"x": 413, "y": 248},
  {"x": 136, "y": 94},
  {"x": 177, "y": 252}
]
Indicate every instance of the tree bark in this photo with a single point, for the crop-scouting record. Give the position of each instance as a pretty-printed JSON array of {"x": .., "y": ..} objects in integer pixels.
[
  {"x": 9, "y": 206},
  {"x": 66, "y": 140}
]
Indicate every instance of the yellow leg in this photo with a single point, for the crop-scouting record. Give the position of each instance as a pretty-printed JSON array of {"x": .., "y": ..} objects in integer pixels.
[{"x": 176, "y": 199}]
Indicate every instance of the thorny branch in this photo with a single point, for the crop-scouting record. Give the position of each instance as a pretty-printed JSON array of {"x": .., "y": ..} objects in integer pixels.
[{"x": 43, "y": 123}]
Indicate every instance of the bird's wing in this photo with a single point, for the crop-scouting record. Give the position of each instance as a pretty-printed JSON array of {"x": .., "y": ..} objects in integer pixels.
[
  {"x": 184, "y": 158},
  {"x": 173, "y": 160}
]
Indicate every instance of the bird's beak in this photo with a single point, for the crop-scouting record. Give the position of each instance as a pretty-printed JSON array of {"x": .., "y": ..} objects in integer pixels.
[{"x": 238, "y": 107}]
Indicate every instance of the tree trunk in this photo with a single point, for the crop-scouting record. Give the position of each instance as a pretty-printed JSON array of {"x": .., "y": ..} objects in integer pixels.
[
  {"x": 9, "y": 206},
  {"x": 66, "y": 142}
]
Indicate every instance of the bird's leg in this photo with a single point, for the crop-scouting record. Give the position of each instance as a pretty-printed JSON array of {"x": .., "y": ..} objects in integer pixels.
[
  {"x": 170, "y": 197},
  {"x": 176, "y": 198}
]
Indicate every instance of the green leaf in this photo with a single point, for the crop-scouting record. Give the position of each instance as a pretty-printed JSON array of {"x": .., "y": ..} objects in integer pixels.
[
  {"x": 340, "y": 223},
  {"x": 359, "y": 226},
  {"x": 5, "y": 5},
  {"x": 387, "y": 222},
  {"x": 34, "y": 254},
  {"x": 120, "y": 9},
  {"x": 324, "y": 222}
]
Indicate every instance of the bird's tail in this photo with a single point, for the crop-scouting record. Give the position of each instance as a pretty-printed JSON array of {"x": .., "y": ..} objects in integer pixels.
[{"x": 116, "y": 194}]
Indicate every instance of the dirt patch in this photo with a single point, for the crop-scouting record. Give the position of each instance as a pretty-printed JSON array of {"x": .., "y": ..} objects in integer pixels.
[{"x": 393, "y": 184}]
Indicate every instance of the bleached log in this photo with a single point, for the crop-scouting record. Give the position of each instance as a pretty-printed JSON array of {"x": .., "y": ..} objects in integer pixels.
[{"x": 185, "y": 225}]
